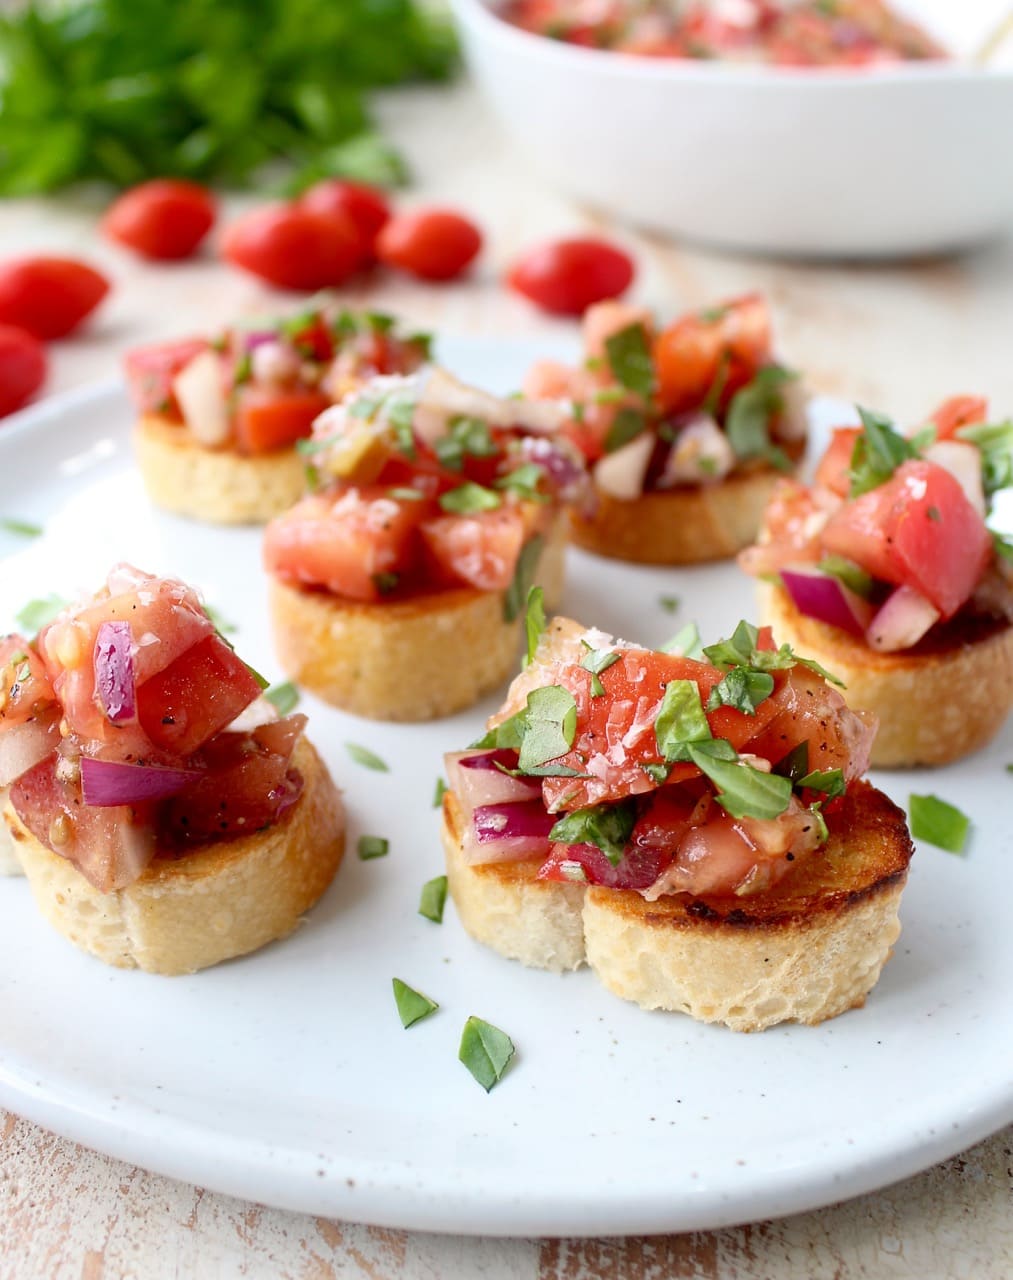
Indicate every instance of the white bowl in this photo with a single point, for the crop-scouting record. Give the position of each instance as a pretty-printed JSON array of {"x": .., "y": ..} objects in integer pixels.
[{"x": 877, "y": 163}]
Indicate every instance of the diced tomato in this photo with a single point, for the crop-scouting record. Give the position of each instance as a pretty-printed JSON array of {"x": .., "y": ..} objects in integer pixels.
[
  {"x": 958, "y": 411},
  {"x": 477, "y": 550},
  {"x": 637, "y": 868},
  {"x": 270, "y": 418},
  {"x": 834, "y": 470},
  {"x": 792, "y": 524},
  {"x": 195, "y": 697},
  {"x": 919, "y": 530},
  {"x": 605, "y": 319},
  {"x": 355, "y": 545},
  {"x": 25, "y": 687},
  {"x": 150, "y": 372},
  {"x": 726, "y": 346}
]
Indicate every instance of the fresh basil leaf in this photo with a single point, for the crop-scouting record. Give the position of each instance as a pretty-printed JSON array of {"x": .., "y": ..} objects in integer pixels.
[
  {"x": 742, "y": 689},
  {"x": 549, "y": 727},
  {"x": 852, "y": 575},
  {"x": 685, "y": 643},
  {"x": 439, "y": 791},
  {"x": 629, "y": 357},
  {"x": 534, "y": 622},
  {"x": 680, "y": 720},
  {"x": 657, "y": 772},
  {"x": 467, "y": 437},
  {"x": 23, "y": 528},
  {"x": 524, "y": 481},
  {"x": 36, "y": 614},
  {"x": 1002, "y": 544},
  {"x": 669, "y": 603},
  {"x": 608, "y": 826},
  {"x": 598, "y": 660},
  {"x": 878, "y": 452},
  {"x": 938, "y": 822},
  {"x": 221, "y": 624},
  {"x": 468, "y": 498},
  {"x": 284, "y": 697},
  {"x": 783, "y": 658},
  {"x": 412, "y": 1005},
  {"x": 433, "y": 899},
  {"x": 368, "y": 759},
  {"x": 517, "y": 592},
  {"x": 626, "y": 426},
  {"x": 486, "y": 1051},
  {"x": 370, "y": 847},
  {"x": 995, "y": 440},
  {"x": 744, "y": 792},
  {"x": 750, "y": 413},
  {"x": 831, "y": 782},
  {"x": 736, "y": 651},
  {"x": 795, "y": 764}
]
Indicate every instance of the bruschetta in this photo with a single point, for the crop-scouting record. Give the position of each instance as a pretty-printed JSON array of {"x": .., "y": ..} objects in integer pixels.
[
  {"x": 886, "y": 570},
  {"x": 156, "y": 828},
  {"x": 685, "y": 430},
  {"x": 397, "y": 586},
  {"x": 695, "y": 828},
  {"x": 219, "y": 418}
]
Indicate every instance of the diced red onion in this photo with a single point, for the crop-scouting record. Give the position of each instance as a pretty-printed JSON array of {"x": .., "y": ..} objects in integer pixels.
[
  {"x": 475, "y": 779},
  {"x": 114, "y": 672},
  {"x": 902, "y": 621},
  {"x": 566, "y": 472},
  {"x": 257, "y": 337},
  {"x": 23, "y": 745},
  {"x": 827, "y": 599},
  {"x": 508, "y": 832},
  {"x": 113, "y": 782}
]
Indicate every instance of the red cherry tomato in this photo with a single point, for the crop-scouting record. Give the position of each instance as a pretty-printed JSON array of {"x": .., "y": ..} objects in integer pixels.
[
  {"x": 293, "y": 247},
  {"x": 49, "y": 296},
  {"x": 165, "y": 219},
  {"x": 433, "y": 244},
  {"x": 22, "y": 367},
  {"x": 567, "y": 276},
  {"x": 365, "y": 206}
]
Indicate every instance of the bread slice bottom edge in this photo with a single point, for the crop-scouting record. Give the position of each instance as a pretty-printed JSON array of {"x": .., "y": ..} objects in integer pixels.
[{"x": 805, "y": 951}]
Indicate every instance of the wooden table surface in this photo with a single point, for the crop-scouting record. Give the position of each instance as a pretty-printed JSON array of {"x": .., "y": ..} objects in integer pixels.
[{"x": 896, "y": 337}]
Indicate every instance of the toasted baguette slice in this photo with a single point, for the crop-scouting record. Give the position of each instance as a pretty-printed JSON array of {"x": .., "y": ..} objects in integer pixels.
[
  {"x": 217, "y": 902},
  {"x": 415, "y": 659},
  {"x": 678, "y": 526},
  {"x": 804, "y": 951},
  {"x": 218, "y": 486},
  {"x": 937, "y": 702}
]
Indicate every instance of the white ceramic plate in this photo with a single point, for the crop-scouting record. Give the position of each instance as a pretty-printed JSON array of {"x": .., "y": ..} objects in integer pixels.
[{"x": 286, "y": 1077}]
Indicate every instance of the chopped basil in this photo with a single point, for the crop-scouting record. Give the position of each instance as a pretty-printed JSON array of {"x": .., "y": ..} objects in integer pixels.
[
  {"x": 995, "y": 440},
  {"x": 626, "y": 426},
  {"x": 629, "y": 357},
  {"x": 400, "y": 413},
  {"x": 740, "y": 650},
  {"x": 830, "y": 782},
  {"x": 712, "y": 400},
  {"x": 284, "y": 697},
  {"x": 608, "y": 826},
  {"x": 36, "y": 614},
  {"x": 313, "y": 444},
  {"x": 412, "y": 1005},
  {"x": 439, "y": 791},
  {"x": 795, "y": 764},
  {"x": 743, "y": 792},
  {"x": 373, "y": 847},
  {"x": 468, "y": 498},
  {"x": 379, "y": 321},
  {"x": 261, "y": 680},
  {"x": 853, "y": 576},
  {"x": 712, "y": 315},
  {"x": 785, "y": 657},
  {"x": 681, "y": 720},
  {"x": 433, "y": 899},
  {"x": 878, "y": 452},
  {"x": 424, "y": 343},
  {"x": 23, "y": 528},
  {"x": 534, "y": 622},
  {"x": 669, "y": 603},
  {"x": 1002, "y": 544},
  {"x": 938, "y": 822},
  {"x": 742, "y": 689},
  {"x": 750, "y": 412},
  {"x": 657, "y": 772},
  {"x": 467, "y": 437},
  {"x": 517, "y": 592},
  {"x": 368, "y": 759},
  {"x": 596, "y": 661},
  {"x": 933, "y": 514},
  {"x": 524, "y": 481},
  {"x": 550, "y": 726},
  {"x": 485, "y": 1051},
  {"x": 685, "y": 643},
  {"x": 221, "y": 624}
]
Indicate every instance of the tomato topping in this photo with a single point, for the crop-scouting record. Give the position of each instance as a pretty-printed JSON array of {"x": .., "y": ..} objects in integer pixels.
[
  {"x": 433, "y": 244},
  {"x": 364, "y": 206},
  {"x": 957, "y": 412},
  {"x": 294, "y": 247},
  {"x": 165, "y": 219},
  {"x": 730, "y": 343},
  {"x": 834, "y": 470},
  {"x": 478, "y": 550},
  {"x": 49, "y": 297},
  {"x": 919, "y": 530},
  {"x": 268, "y": 419},
  {"x": 150, "y": 372},
  {"x": 22, "y": 367},
  {"x": 567, "y": 276},
  {"x": 638, "y": 868}
]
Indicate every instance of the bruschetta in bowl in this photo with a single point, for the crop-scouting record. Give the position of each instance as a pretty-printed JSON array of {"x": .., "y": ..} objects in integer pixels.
[
  {"x": 697, "y": 829},
  {"x": 397, "y": 586},
  {"x": 685, "y": 429},
  {"x": 218, "y": 419},
  {"x": 165, "y": 816},
  {"x": 885, "y": 569}
]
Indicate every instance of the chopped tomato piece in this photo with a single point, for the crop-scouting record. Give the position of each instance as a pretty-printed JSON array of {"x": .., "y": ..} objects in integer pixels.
[
  {"x": 268, "y": 419},
  {"x": 724, "y": 348},
  {"x": 834, "y": 471},
  {"x": 25, "y": 687},
  {"x": 150, "y": 372},
  {"x": 479, "y": 550},
  {"x": 958, "y": 411},
  {"x": 637, "y": 868}
]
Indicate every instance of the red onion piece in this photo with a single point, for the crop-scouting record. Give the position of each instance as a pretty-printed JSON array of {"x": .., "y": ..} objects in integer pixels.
[
  {"x": 114, "y": 672},
  {"x": 511, "y": 821},
  {"x": 22, "y": 746},
  {"x": 902, "y": 621},
  {"x": 114, "y": 782},
  {"x": 827, "y": 599},
  {"x": 475, "y": 779},
  {"x": 257, "y": 337}
]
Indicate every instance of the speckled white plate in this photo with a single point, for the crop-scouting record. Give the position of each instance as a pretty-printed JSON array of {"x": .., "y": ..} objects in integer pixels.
[{"x": 286, "y": 1077}]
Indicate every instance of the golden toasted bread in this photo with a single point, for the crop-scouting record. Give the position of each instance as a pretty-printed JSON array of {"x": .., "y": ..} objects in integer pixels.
[
  {"x": 413, "y": 659},
  {"x": 219, "y": 486},
  {"x": 805, "y": 950},
  {"x": 939, "y": 701},
  {"x": 219, "y": 901}
]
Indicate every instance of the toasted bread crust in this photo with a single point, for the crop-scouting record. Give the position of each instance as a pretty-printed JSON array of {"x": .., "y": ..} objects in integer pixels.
[
  {"x": 219, "y": 486},
  {"x": 210, "y": 905},
  {"x": 405, "y": 660},
  {"x": 806, "y": 950},
  {"x": 688, "y": 525},
  {"x": 936, "y": 703}
]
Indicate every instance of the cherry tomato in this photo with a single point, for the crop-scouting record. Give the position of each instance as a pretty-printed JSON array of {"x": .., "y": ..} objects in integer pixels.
[
  {"x": 567, "y": 276},
  {"x": 22, "y": 367},
  {"x": 49, "y": 296},
  {"x": 365, "y": 206},
  {"x": 433, "y": 244},
  {"x": 294, "y": 248},
  {"x": 165, "y": 219}
]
